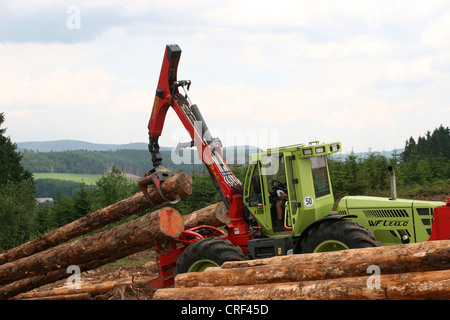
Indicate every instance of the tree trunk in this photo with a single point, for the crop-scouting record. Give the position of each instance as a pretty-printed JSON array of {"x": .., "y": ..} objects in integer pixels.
[
  {"x": 271, "y": 291},
  {"x": 75, "y": 296},
  {"x": 426, "y": 256},
  {"x": 93, "y": 288},
  {"x": 214, "y": 215},
  {"x": 412, "y": 286},
  {"x": 417, "y": 248},
  {"x": 415, "y": 285},
  {"x": 119, "y": 242},
  {"x": 178, "y": 186}
]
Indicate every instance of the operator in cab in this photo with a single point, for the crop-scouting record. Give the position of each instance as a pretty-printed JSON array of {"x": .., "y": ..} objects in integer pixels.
[{"x": 281, "y": 197}]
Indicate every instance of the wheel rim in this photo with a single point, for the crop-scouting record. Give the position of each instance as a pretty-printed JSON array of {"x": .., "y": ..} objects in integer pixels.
[
  {"x": 201, "y": 265},
  {"x": 331, "y": 245}
]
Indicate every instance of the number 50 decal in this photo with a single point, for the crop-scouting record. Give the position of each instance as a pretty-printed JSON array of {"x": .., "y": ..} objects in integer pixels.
[{"x": 308, "y": 201}]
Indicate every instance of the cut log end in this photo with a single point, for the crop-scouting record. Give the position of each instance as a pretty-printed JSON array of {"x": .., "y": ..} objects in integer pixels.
[
  {"x": 170, "y": 222},
  {"x": 214, "y": 215}
]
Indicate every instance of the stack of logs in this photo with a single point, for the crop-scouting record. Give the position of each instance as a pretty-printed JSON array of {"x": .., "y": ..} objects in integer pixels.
[
  {"x": 47, "y": 258},
  {"x": 413, "y": 271}
]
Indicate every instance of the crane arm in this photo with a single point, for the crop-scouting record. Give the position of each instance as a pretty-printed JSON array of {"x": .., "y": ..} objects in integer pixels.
[{"x": 209, "y": 149}]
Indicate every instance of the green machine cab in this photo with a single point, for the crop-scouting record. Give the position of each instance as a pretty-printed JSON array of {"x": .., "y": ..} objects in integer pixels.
[{"x": 308, "y": 224}]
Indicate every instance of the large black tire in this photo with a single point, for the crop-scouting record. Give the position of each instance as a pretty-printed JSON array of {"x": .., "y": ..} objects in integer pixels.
[
  {"x": 212, "y": 251},
  {"x": 337, "y": 235}
]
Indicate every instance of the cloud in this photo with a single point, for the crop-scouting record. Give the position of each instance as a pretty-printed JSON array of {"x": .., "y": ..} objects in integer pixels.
[
  {"x": 51, "y": 21},
  {"x": 361, "y": 46},
  {"x": 237, "y": 14},
  {"x": 414, "y": 73},
  {"x": 57, "y": 89},
  {"x": 132, "y": 102},
  {"x": 356, "y": 71},
  {"x": 66, "y": 21},
  {"x": 437, "y": 34},
  {"x": 263, "y": 106}
]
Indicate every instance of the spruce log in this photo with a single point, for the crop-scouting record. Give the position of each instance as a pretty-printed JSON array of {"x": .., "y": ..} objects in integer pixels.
[
  {"x": 432, "y": 285},
  {"x": 426, "y": 256},
  {"x": 75, "y": 296},
  {"x": 119, "y": 242},
  {"x": 271, "y": 291},
  {"x": 176, "y": 187},
  {"x": 214, "y": 215},
  {"x": 342, "y": 255},
  {"x": 414, "y": 285},
  {"x": 93, "y": 288}
]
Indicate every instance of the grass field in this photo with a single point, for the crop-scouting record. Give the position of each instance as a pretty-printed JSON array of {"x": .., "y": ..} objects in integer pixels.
[{"x": 86, "y": 178}]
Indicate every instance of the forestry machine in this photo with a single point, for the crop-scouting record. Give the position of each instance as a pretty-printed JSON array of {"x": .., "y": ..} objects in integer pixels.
[{"x": 294, "y": 178}]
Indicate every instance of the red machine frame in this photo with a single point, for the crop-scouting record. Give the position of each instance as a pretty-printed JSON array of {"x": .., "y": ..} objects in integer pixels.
[
  {"x": 440, "y": 229},
  {"x": 209, "y": 151}
]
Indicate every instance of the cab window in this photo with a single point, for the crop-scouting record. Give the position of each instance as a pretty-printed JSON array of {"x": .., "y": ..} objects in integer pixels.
[{"x": 320, "y": 176}]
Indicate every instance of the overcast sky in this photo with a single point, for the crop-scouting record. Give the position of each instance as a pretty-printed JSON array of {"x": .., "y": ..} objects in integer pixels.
[{"x": 269, "y": 73}]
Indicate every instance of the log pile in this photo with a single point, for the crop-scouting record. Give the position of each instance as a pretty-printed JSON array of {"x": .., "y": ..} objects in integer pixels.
[
  {"x": 94, "y": 289},
  {"x": 176, "y": 187},
  {"x": 414, "y": 271},
  {"x": 86, "y": 292},
  {"x": 46, "y": 259}
]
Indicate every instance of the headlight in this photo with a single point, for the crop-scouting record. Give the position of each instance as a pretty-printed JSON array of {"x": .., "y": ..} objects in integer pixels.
[
  {"x": 334, "y": 147},
  {"x": 307, "y": 152},
  {"x": 320, "y": 149}
]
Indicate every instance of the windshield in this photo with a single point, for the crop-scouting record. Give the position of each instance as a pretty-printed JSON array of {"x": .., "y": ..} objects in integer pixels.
[{"x": 320, "y": 176}]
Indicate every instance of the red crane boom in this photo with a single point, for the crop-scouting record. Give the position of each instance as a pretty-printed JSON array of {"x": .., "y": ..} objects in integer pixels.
[{"x": 209, "y": 149}]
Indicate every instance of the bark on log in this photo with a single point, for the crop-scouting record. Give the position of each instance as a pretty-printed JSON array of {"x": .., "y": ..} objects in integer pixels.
[
  {"x": 412, "y": 286},
  {"x": 85, "y": 287},
  {"x": 341, "y": 255},
  {"x": 214, "y": 215},
  {"x": 415, "y": 285},
  {"x": 426, "y": 256},
  {"x": 75, "y": 296},
  {"x": 178, "y": 186},
  {"x": 119, "y": 242},
  {"x": 272, "y": 291}
]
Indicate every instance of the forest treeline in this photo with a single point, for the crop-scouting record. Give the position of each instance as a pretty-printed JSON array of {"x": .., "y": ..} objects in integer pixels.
[
  {"x": 87, "y": 162},
  {"x": 424, "y": 167},
  {"x": 132, "y": 161}
]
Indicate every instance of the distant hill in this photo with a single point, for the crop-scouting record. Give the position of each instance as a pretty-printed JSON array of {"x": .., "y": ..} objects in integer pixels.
[
  {"x": 71, "y": 156},
  {"x": 68, "y": 145},
  {"x": 71, "y": 145},
  {"x": 363, "y": 155}
]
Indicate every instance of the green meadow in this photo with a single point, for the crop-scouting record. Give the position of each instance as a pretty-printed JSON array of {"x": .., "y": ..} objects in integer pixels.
[{"x": 77, "y": 177}]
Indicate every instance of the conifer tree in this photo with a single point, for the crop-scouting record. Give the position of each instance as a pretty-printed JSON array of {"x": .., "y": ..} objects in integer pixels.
[{"x": 17, "y": 204}]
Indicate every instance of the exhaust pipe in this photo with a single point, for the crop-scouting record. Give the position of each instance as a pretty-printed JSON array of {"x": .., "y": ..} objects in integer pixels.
[{"x": 393, "y": 184}]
